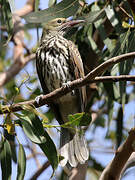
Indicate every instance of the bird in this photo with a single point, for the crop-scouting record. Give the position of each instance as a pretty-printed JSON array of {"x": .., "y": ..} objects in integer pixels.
[{"x": 58, "y": 62}]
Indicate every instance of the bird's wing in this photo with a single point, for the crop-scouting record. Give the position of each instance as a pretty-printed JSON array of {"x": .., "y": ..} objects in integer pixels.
[
  {"x": 39, "y": 66},
  {"x": 77, "y": 67}
]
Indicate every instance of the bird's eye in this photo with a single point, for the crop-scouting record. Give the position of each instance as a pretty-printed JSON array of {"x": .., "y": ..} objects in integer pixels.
[{"x": 59, "y": 21}]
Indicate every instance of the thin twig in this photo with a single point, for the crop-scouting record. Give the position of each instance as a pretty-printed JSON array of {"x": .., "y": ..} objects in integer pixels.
[
  {"x": 115, "y": 78},
  {"x": 14, "y": 69},
  {"x": 40, "y": 170}
]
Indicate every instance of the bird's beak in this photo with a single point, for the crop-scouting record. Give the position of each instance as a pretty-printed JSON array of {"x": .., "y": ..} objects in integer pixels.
[{"x": 72, "y": 23}]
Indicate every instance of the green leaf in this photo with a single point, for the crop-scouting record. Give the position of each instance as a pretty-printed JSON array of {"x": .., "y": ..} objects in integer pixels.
[
  {"x": 11, "y": 92},
  {"x": 11, "y": 140},
  {"x": 12, "y": 5},
  {"x": 119, "y": 126},
  {"x": 93, "y": 16},
  {"x": 91, "y": 40},
  {"x": 13, "y": 152},
  {"x": 21, "y": 165},
  {"x": 63, "y": 9},
  {"x": 86, "y": 119},
  {"x": 100, "y": 26},
  {"x": 125, "y": 67},
  {"x": 5, "y": 158},
  {"x": 100, "y": 121},
  {"x": 125, "y": 44},
  {"x": 7, "y": 16},
  {"x": 113, "y": 18},
  {"x": 32, "y": 127},
  {"x": 50, "y": 151},
  {"x": 109, "y": 87},
  {"x": 132, "y": 5},
  {"x": 36, "y": 5},
  {"x": 52, "y": 3},
  {"x": 110, "y": 111},
  {"x": 122, "y": 89},
  {"x": 79, "y": 119},
  {"x": 116, "y": 91}
]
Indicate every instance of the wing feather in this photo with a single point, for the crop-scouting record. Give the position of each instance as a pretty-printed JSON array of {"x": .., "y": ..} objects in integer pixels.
[{"x": 77, "y": 67}]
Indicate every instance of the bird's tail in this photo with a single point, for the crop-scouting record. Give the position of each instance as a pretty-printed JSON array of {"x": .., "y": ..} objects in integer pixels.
[{"x": 73, "y": 148}]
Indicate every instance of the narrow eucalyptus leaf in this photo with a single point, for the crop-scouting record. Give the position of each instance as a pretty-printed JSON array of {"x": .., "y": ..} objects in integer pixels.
[
  {"x": 21, "y": 165},
  {"x": 119, "y": 127},
  {"x": 79, "y": 119},
  {"x": 5, "y": 158},
  {"x": 50, "y": 151},
  {"x": 111, "y": 15},
  {"x": 7, "y": 16},
  {"x": 32, "y": 127},
  {"x": 12, "y": 5},
  {"x": 93, "y": 16},
  {"x": 63, "y": 9},
  {"x": 36, "y": 5},
  {"x": 52, "y": 3}
]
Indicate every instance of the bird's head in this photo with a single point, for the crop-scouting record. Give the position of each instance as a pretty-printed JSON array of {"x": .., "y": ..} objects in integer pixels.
[{"x": 60, "y": 25}]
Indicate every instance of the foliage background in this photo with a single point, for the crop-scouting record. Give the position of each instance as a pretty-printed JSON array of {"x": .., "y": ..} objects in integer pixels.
[{"x": 111, "y": 104}]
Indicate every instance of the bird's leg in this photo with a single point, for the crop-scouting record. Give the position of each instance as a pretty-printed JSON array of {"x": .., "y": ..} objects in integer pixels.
[
  {"x": 38, "y": 98},
  {"x": 67, "y": 84}
]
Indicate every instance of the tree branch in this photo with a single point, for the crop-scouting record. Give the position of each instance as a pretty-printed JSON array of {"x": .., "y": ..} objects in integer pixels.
[
  {"x": 28, "y": 7},
  {"x": 104, "y": 66},
  {"x": 90, "y": 78},
  {"x": 114, "y": 169},
  {"x": 18, "y": 35},
  {"x": 14, "y": 69}
]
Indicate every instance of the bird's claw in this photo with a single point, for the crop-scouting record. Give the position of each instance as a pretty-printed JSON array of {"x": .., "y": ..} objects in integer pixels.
[
  {"x": 67, "y": 84},
  {"x": 37, "y": 99}
]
